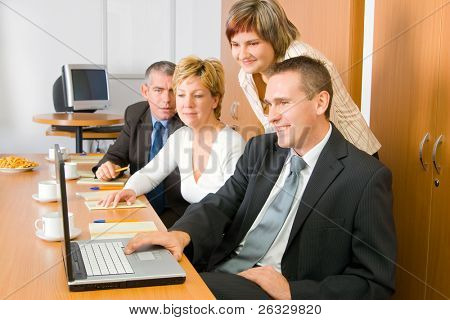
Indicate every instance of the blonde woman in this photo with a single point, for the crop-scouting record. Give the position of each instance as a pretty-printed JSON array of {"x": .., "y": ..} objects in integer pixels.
[
  {"x": 205, "y": 151},
  {"x": 260, "y": 34}
]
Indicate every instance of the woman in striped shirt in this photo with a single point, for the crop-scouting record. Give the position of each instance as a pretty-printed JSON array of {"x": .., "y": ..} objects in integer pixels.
[{"x": 260, "y": 34}]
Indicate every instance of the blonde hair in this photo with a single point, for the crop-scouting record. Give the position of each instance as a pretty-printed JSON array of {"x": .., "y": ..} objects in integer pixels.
[
  {"x": 210, "y": 72},
  {"x": 265, "y": 17}
]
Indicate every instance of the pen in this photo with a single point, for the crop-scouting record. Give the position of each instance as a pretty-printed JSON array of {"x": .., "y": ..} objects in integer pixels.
[
  {"x": 112, "y": 221},
  {"x": 121, "y": 169},
  {"x": 106, "y": 188}
]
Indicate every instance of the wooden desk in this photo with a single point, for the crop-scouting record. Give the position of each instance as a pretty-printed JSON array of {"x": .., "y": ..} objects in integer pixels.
[
  {"x": 32, "y": 268},
  {"x": 78, "y": 120},
  {"x": 86, "y": 134}
]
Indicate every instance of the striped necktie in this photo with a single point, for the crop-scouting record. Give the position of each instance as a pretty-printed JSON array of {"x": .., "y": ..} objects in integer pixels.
[{"x": 261, "y": 238}]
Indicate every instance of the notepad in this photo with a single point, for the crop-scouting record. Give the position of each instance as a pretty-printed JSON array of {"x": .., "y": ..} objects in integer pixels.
[
  {"x": 118, "y": 182},
  {"x": 120, "y": 229},
  {"x": 95, "y": 195},
  {"x": 93, "y": 205},
  {"x": 86, "y": 174},
  {"x": 86, "y": 159}
]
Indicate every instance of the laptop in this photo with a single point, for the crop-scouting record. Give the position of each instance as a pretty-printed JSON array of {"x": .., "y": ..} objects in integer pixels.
[{"x": 102, "y": 264}]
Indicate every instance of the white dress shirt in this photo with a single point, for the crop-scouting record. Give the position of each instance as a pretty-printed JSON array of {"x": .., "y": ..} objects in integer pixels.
[
  {"x": 275, "y": 253},
  {"x": 344, "y": 113},
  {"x": 177, "y": 152}
]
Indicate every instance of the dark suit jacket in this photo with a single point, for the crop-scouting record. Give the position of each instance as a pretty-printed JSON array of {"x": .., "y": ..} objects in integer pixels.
[
  {"x": 342, "y": 244},
  {"x": 133, "y": 147}
]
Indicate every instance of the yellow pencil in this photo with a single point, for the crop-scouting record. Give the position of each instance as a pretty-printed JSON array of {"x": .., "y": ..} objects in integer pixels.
[
  {"x": 110, "y": 187},
  {"x": 121, "y": 169}
]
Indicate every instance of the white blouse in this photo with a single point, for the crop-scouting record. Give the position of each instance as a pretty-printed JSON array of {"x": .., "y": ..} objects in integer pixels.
[{"x": 177, "y": 152}]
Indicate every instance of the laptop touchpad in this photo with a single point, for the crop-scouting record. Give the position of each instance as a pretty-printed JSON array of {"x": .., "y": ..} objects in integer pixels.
[{"x": 145, "y": 256}]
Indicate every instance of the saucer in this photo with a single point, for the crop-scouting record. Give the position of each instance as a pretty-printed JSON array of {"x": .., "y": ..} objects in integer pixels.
[
  {"x": 36, "y": 197},
  {"x": 65, "y": 158},
  {"x": 73, "y": 178},
  {"x": 75, "y": 232}
]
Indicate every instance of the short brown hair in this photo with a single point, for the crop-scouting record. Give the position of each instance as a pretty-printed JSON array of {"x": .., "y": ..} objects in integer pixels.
[
  {"x": 210, "y": 72},
  {"x": 314, "y": 74},
  {"x": 265, "y": 17}
]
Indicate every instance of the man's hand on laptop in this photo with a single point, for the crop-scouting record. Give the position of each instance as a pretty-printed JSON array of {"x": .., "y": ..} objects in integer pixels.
[
  {"x": 107, "y": 171},
  {"x": 114, "y": 198},
  {"x": 174, "y": 241}
]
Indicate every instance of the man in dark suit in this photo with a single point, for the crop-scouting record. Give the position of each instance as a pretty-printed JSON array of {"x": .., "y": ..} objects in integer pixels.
[
  {"x": 139, "y": 142},
  {"x": 306, "y": 214}
]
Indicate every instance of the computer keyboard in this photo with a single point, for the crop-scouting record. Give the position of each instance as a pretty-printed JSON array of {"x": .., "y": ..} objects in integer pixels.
[{"x": 102, "y": 259}]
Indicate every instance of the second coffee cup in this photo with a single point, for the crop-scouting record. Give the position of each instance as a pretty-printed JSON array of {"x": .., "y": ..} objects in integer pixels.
[
  {"x": 70, "y": 171},
  {"x": 48, "y": 190}
]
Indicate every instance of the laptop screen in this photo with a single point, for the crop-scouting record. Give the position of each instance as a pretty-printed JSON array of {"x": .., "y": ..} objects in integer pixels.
[{"x": 61, "y": 181}]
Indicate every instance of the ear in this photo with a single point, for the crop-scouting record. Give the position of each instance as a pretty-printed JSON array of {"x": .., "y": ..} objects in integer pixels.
[
  {"x": 144, "y": 91},
  {"x": 216, "y": 101},
  {"x": 323, "y": 99}
]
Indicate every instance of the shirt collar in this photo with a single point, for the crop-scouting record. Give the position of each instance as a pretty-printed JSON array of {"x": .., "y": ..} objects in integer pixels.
[
  {"x": 246, "y": 79},
  {"x": 163, "y": 122},
  {"x": 312, "y": 155}
]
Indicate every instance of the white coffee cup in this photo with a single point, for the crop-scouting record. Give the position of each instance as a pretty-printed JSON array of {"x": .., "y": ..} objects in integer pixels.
[
  {"x": 70, "y": 170},
  {"x": 52, "y": 225},
  {"x": 51, "y": 153},
  {"x": 48, "y": 190}
]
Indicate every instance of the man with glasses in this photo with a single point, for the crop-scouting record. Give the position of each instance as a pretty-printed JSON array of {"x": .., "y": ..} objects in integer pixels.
[{"x": 306, "y": 214}]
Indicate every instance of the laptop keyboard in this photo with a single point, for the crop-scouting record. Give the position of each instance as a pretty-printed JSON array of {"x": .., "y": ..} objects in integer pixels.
[{"x": 101, "y": 259}]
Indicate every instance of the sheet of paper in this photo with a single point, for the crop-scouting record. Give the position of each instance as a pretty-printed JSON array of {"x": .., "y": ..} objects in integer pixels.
[
  {"x": 86, "y": 174},
  {"x": 119, "y": 229},
  {"x": 118, "y": 182},
  {"x": 86, "y": 159},
  {"x": 93, "y": 205},
  {"x": 94, "y": 195}
]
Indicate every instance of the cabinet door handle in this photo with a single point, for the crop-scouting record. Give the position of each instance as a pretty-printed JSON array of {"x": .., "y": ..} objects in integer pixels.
[
  {"x": 433, "y": 156},
  {"x": 234, "y": 110},
  {"x": 426, "y": 138}
]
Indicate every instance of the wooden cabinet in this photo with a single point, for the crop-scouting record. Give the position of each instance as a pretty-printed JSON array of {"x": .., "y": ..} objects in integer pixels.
[
  {"x": 336, "y": 29},
  {"x": 438, "y": 271},
  {"x": 333, "y": 27},
  {"x": 410, "y": 109}
]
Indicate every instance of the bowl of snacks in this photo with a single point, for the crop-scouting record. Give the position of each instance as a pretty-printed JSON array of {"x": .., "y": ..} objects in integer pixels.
[{"x": 13, "y": 164}]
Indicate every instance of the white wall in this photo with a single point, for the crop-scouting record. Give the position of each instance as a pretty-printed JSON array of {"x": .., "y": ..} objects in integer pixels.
[
  {"x": 366, "y": 91},
  {"x": 198, "y": 28},
  {"x": 38, "y": 37}
]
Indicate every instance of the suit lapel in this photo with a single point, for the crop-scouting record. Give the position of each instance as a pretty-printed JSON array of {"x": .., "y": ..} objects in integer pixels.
[
  {"x": 266, "y": 178},
  {"x": 325, "y": 172},
  {"x": 145, "y": 127}
]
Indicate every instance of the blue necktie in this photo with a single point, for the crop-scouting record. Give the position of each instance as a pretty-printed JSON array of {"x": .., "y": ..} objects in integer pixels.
[
  {"x": 261, "y": 238},
  {"x": 156, "y": 196}
]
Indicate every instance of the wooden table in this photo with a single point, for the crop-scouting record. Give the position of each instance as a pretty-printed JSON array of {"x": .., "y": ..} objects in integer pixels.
[
  {"x": 78, "y": 120},
  {"x": 32, "y": 268}
]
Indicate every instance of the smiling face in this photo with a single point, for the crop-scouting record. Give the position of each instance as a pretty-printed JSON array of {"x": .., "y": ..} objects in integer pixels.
[
  {"x": 295, "y": 117},
  {"x": 159, "y": 94},
  {"x": 253, "y": 54},
  {"x": 195, "y": 104}
]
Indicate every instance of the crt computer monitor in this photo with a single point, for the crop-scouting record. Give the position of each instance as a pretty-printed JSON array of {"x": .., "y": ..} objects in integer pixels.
[{"x": 85, "y": 87}]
